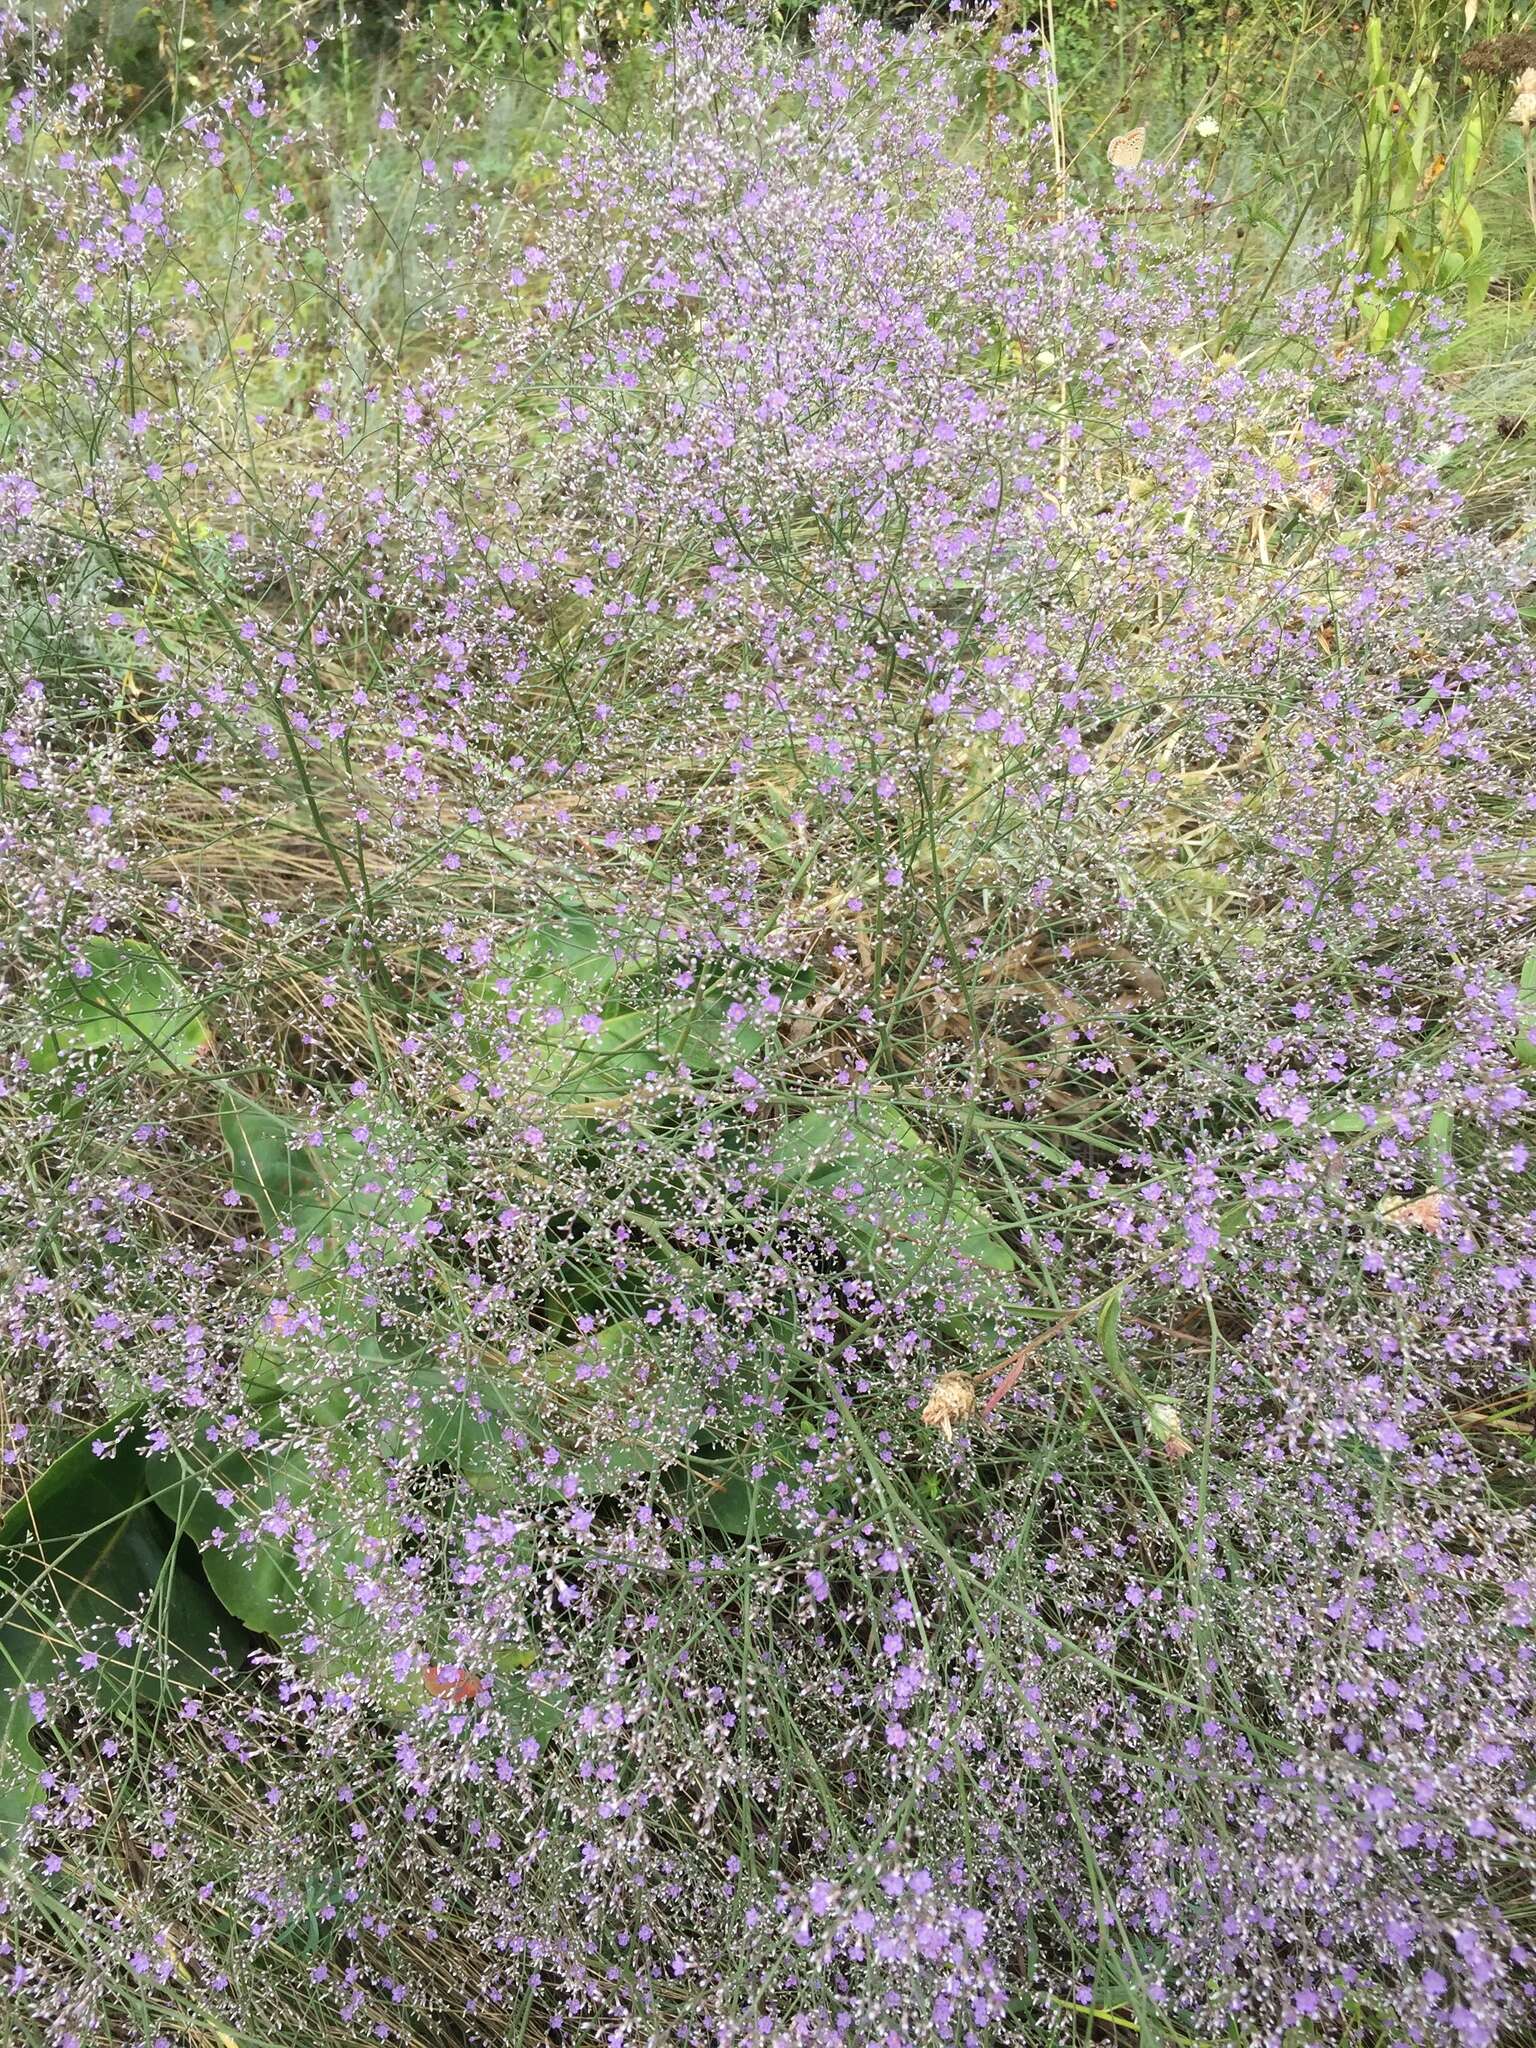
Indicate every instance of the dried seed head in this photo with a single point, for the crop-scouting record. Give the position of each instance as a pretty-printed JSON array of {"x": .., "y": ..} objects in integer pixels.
[
  {"x": 1319, "y": 494},
  {"x": 1505, "y": 56},
  {"x": 951, "y": 1399},
  {"x": 1166, "y": 1429},
  {"x": 1424, "y": 1212}
]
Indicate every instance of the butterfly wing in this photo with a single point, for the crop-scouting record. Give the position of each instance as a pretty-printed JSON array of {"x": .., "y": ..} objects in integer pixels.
[{"x": 1126, "y": 151}]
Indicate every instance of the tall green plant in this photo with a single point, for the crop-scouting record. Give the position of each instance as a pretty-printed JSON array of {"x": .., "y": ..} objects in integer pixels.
[{"x": 1413, "y": 226}]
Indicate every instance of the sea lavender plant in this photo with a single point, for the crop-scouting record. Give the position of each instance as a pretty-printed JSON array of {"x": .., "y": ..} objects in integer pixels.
[{"x": 768, "y": 1236}]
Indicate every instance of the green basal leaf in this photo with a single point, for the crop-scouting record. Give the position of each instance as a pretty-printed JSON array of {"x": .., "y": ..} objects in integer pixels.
[
  {"x": 267, "y": 1165},
  {"x": 1107, "y": 1327},
  {"x": 584, "y": 1021},
  {"x": 84, "y": 1552},
  {"x": 335, "y": 1193},
  {"x": 910, "y": 1211},
  {"x": 1525, "y": 1014},
  {"x": 131, "y": 1001},
  {"x": 252, "y": 1502},
  {"x": 721, "y": 1492}
]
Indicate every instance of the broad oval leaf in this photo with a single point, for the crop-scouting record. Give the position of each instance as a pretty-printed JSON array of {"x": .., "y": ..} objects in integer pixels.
[
  {"x": 228, "y": 1500},
  {"x": 83, "y": 1553},
  {"x": 1525, "y": 1014},
  {"x": 331, "y": 1188},
  {"x": 124, "y": 997},
  {"x": 910, "y": 1208}
]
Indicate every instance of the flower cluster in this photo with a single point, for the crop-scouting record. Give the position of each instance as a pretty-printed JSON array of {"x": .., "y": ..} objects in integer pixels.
[{"x": 768, "y": 1265}]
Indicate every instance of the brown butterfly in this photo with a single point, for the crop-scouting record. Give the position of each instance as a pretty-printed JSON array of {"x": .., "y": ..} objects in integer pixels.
[{"x": 1126, "y": 151}]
